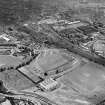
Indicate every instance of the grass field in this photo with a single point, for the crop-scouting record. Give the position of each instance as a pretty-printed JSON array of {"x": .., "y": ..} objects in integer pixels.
[
  {"x": 53, "y": 59},
  {"x": 86, "y": 78},
  {"x": 12, "y": 78},
  {"x": 15, "y": 80},
  {"x": 9, "y": 60},
  {"x": 50, "y": 60},
  {"x": 82, "y": 86}
]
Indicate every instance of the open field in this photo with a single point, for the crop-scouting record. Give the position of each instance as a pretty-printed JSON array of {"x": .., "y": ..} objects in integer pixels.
[
  {"x": 53, "y": 58},
  {"x": 14, "y": 80},
  {"x": 50, "y": 59},
  {"x": 81, "y": 86},
  {"x": 9, "y": 60},
  {"x": 87, "y": 78},
  {"x": 85, "y": 81}
]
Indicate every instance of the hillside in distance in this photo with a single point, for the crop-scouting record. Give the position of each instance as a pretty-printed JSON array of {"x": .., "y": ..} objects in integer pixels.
[
  {"x": 14, "y": 11},
  {"x": 17, "y": 11}
]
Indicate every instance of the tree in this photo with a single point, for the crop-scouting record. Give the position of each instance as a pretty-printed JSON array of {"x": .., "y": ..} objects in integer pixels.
[
  {"x": 57, "y": 71},
  {"x": 45, "y": 74},
  {"x": 2, "y": 88},
  {"x": 1, "y": 69},
  {"x": 10, "y": 67}
]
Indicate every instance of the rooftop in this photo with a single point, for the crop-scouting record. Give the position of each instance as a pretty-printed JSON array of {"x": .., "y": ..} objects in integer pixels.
[{"x": 87, "y": 29}]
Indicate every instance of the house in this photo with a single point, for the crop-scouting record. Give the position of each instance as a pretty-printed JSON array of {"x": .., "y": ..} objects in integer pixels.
[{"x": 5, "y": 37}]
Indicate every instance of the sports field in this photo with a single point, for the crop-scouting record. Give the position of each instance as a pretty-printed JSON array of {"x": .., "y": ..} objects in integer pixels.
[
  {"x": 12, "y": 78},
  {"x": 82, "y": 86},
  {"x": 52, "y": 59},
  {"x": 9, "y": 60},
  {"x": 86, "y": 79},
  {"x": 15, "y": 80}
]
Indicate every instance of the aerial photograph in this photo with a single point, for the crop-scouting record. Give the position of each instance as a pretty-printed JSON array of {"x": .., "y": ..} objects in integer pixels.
[{"x": 52, "y": 52}]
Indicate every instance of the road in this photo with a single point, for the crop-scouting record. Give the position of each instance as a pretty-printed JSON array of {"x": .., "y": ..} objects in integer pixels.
[{"x": 33, "y": 97}]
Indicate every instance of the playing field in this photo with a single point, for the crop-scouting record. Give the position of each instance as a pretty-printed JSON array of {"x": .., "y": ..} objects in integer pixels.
[
  {"x": 82, "y": 86},
  {"x": 12, "y": 78},
  {"x": 53, "y": 59},
  {"x": 87, "y": 78},
  {"x": 9, "y": 60},
  {"x": 15, "y": 80}
]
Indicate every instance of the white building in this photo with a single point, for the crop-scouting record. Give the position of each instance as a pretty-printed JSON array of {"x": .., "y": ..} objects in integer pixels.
[
  {"x": 49, "y": 84},
  {"x": 5, "y": 36}
]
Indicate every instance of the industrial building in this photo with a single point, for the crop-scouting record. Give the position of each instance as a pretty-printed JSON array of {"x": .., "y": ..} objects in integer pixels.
[{"x": 49, "y": 84}]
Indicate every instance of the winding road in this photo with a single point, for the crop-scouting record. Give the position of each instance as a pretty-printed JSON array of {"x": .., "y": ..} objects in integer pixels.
[{"x": 33, "y": 97}]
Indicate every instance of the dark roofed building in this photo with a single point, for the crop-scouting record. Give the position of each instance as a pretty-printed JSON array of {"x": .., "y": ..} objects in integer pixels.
[
  {"x": 69, "y": 31},
  {"x": 87, "y": 29}
]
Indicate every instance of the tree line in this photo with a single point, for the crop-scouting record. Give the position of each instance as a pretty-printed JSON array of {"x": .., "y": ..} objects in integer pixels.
[{"x": 4, "y": 68}]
